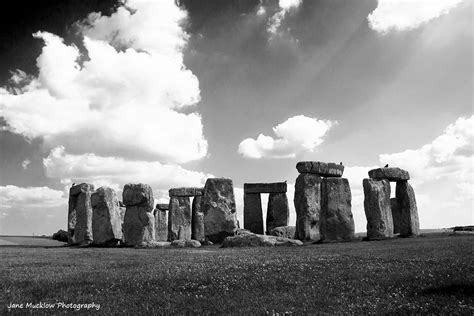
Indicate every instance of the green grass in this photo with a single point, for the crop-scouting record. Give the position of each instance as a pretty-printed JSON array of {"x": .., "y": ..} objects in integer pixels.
[{"x": 432, "y": 274}]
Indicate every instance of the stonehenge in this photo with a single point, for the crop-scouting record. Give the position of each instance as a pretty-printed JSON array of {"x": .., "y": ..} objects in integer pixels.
[
  {"x": 386, "y": 216},
  {"x": 106, "y": 217},
  {"x": 277, "y": 209},
  {"x": 180, "y": 213},
  {"x": 161, "y": 222},
  {"x": 80, "y": 214}
]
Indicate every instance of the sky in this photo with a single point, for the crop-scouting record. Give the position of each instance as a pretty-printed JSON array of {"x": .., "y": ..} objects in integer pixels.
[{"x": 171, "y": 93}]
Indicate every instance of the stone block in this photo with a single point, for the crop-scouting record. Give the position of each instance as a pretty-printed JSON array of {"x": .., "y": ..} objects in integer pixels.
[
  {"x": 308, "y": 206},
  {"x": 409, "y": 222},
  {"x": 322, "y": 169},
  {"x": 253, "y": 216},
  {"x": 190, "y": 191},
  {"x": 377, "y": 209},
  {"x": 276, "y": 187},
  {"x": 106, "y": 217},
  {"x": 390, "y": 174},
  {"x": 277, "y": 211},
  {"x": 197, "y": 220},
  {"x": 179, "y": 218}
]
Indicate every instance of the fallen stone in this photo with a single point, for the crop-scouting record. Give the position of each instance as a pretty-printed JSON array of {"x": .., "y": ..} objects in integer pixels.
[
  {"x": 390, "y": 174},
  {"x": 161, "y": 224},
  {"x": 218, "y": 206},
  {"x": 322, "y": 169},
  {"x": 154, "y": 244},
  {"x": 162, "y": 206},
  {"x": 197, "y": 220},
  {"x": 60, "y": 235},
  {"x": 337, "y": 222},
  {"x": 277, "y": 211},
  {"x": 253, "y": 215},
  {"x": 256, "y": 240},
  {"x": 395, "y": 215},
  {"x": 377, "y": 209},
  {"x": 179, "y": 218},
  {"x": 276, "y": 187},
  {"x": 308, "y": 206},
  {"x": 185, "y": 192},
  {"x": 106, "y": 217},
  {"x": 80, "y": 214},
  {"x": 284, "y": 231},
  {"x": 180, "y": 243},
  {"x": 409, "y": 223},
  {"x": 139, "y": 222}
]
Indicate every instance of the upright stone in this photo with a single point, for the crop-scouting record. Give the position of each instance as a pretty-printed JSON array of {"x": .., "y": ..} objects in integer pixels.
[
  {"x": 197, "y": 221},
  {"x": 218, "y": 206},
  {"x": 409, "y": 223},
  {"x": 80, "y": 214},
  {"x": 277, "y": 211},
  {"x": 179, "y": 218},
  {"x": 139, "y": 223},
  {"x": 161, "y": 223},
  {"x": 395, "y": 215},
  {"x": 377, "y": 209},
  {"x": 106, "y": 217},
  {"x": 337, "y": 222},
  {"x": 308, "y": 206},
  {"x": 253, "y": 217}
]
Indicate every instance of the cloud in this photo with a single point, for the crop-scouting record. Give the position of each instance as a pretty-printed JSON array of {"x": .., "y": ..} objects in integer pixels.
[
  {"x": 128, "y": 92},
  {"x": 25, "y": 163},
  {"x": 274, "y": 23},
  {"x": 116, "y": 172},
  {"x": 403, "y": 15},
  {"x": 12, "y": 196},
  {"x": 297, "y": 134}
]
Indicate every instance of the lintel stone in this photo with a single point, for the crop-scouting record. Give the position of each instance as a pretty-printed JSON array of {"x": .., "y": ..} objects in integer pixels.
[
  {"x": 190, "y": 191},
  {"x": 323, "y": 169},
  {"x": 275, "y": 187}
]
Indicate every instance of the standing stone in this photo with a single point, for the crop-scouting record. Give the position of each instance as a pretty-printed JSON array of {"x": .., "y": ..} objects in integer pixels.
[
  {"x": 197, "y": 230},
  {"x": 308, "y": 206},
  {"x": 139, "y": 224},
  {"x": 106, "y": 217},
  {"x": 409, "y": 223},
  {"x": 218, "y": 206},
  {"x": 80, "y": 214},
  {"x": 161, "y": 223},
  {"x": 377, "y": 209},
  {"x": 277, "y": 211},
  {"x": 395, "y": 215},
  {"x": 337, "y": 222},
  {"x": 179, "y": 218},
  {"x": 253, "y": 217}
]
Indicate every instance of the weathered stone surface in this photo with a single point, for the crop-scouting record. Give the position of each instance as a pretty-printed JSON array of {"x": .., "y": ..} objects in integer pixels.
[
  {"x": 253, "y": 216},
  {"x": 395, "y": 215},
  {"x": 256, "y": 240},
  {"x": 323, "y": 169},
  {"x": 218, "y": 206},
  {"x": 377, "y": 209},
  {"x": 277, "y": 211},
  {"x": 409, "y": 223},
  {"x": 61, "y": 235},
  {"x": 153, "y": 244},
  {"x": 197, "y": 220},
  {"x": 161, "y": 224},
  {"x": 106, "y": 217},
  {"x": 284, "y": 231},
  {"x": 276, "y": 187},
  {"x": 337, "y": 222},
  {"x": 163, "y": 206},
  {"x": 185, "y": 191},
  {"x": 80, "y": 214},
  {"x": 138, "y": 194},
  {"x": 179, "y": 218},
  {"x": 308, "y": 206},
  {"x": 390, "y": 174},
  {"x": 139, "y": 222},
  {"x": 181, "y": 243}
]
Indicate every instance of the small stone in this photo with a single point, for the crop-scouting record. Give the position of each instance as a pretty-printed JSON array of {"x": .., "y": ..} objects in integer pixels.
[
  {"x": 106, "y": 217},
  {"x": 185, "y": 192},
  {"x": 322, "y": 169},
  {"x": 377, "y": 209},
  {"x": 154, "y": 244},
  {"x": 284, "y": 231},
  {"x": 253, "y": 215},
  {"x": 276, "y": 187},
  {"x": 308, "y": 206},
  {"x": 390, "y": 174},
  {"x": 409, "y": 223},
  {"x": 192, "y": 243},
  {"x": 61, "y": 235},
  {"x": 277, "y": 211}
]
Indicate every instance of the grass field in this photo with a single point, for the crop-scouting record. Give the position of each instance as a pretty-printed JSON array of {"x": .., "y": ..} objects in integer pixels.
[{"x": 431, "y": 274}]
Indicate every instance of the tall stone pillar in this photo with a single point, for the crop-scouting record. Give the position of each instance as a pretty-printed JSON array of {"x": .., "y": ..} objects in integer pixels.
[
  {"x": 409, "y": 223},
  {"x": 277, "y": 211},
  {"x": 80, "y": 214},
  {"x": 106, "y": 217},
  {"x": 253, "y": 216},
  {"x": 179, "y": 218},
  {"x": 377, "y": 208},
  {"x": 197, "y": 221},
  {"x": 161, "y": 222},
  {"x": 395, "y": 215},
  {"x": 308, "y": 206}
]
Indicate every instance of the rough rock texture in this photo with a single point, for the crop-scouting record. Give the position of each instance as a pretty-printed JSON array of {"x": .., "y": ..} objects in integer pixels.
[
  {"x": 162, "y": 206},
  {"x": 253, "y": 216},
  {"x": 181, "y": 243},
  {"x": 154, "y": 244},
  {"x": 256, "y": 240},
  {"x": 139, "y": 223},
  {"x": 390, "y": 174},
  {"x": 185, "y": 191},
  {"x": 218, "y": 206},
  {"x": 61, "y": 235},
  {"x": 277, "y": 211},
  {"x": 80, "y": 214},
  {"x": 409, "y": 223},
  {"x": 395, "y": 215},
  {"x": 322, "y": 169},
  {"x": 197, "y": 220},
  {"x": 106, "y": 217},
  {"x": 308, "y": 206},
  {"x": 377, "y": 209},
  {"x": 337, "y": 222},
  {"x": 179, "y": 218},
  {"x": 276, "y": 187},
  {"x": 284, "y": 231},
  {"x": 161, "y": 224}
]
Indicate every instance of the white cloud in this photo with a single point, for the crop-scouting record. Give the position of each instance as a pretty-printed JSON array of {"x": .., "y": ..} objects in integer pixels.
[
  {"x": 126, "y": 92},
  {"x": 12, "y": 196},
  {"x": 116, "y": 172},
  {"x": 275, "y": 20},
  {"x": 401, "y": 15},
  {"x": 297, "y": 134},
  {"x": 25, "y": 164}
]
